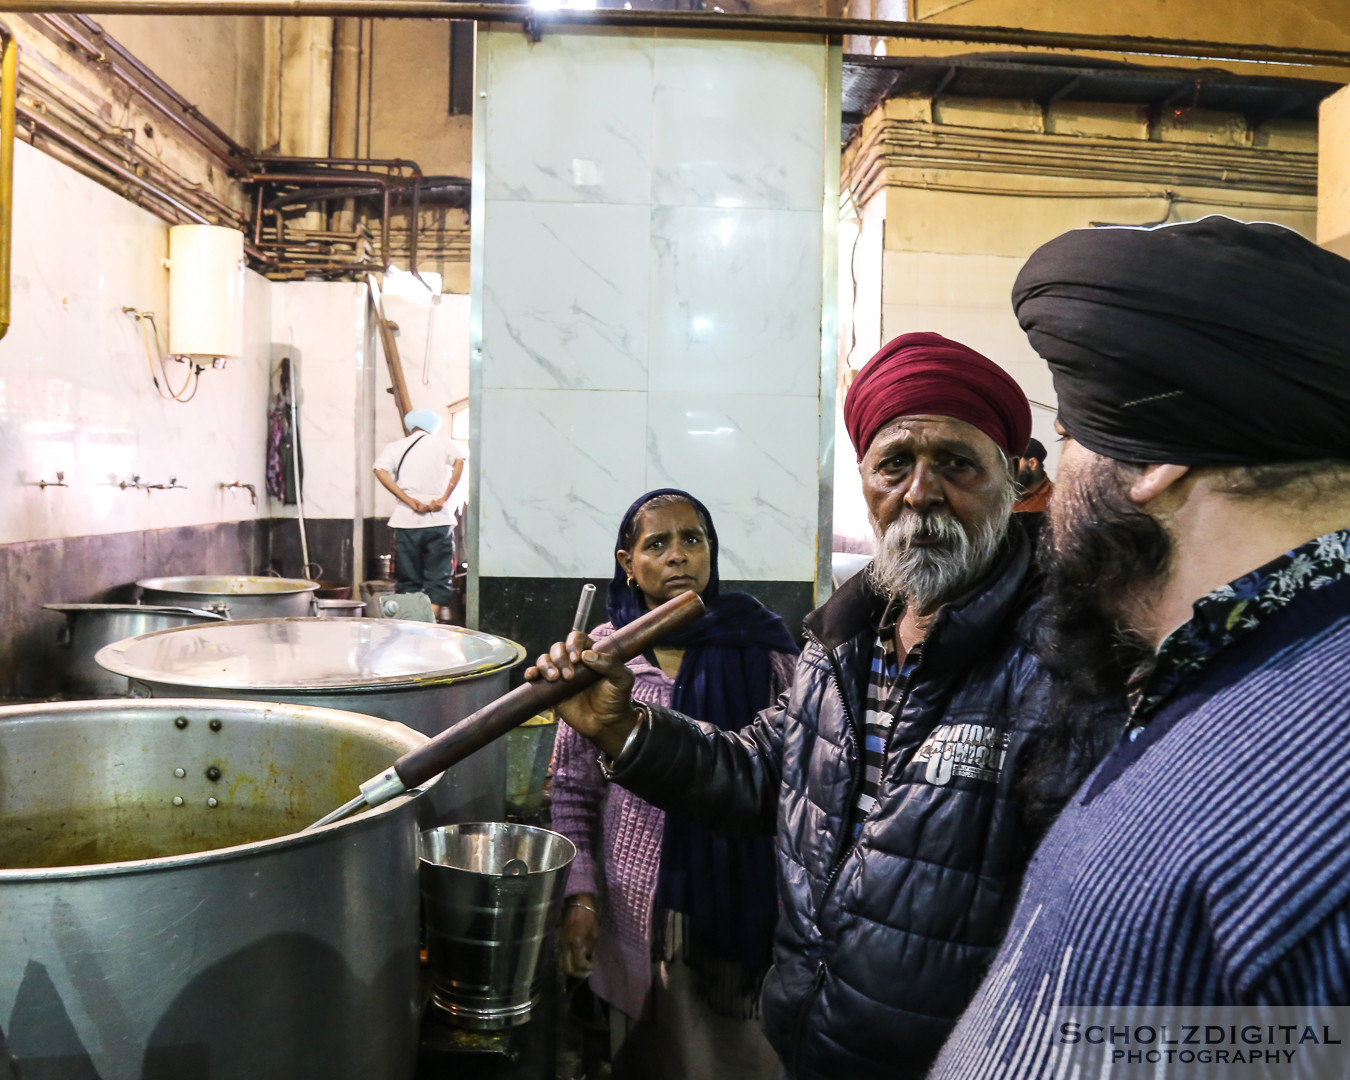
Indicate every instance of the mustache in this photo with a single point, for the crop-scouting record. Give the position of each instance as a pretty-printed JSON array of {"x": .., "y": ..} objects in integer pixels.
[
  {"x": 936, "y": 523},
  {"x": 928, "y": 556}
]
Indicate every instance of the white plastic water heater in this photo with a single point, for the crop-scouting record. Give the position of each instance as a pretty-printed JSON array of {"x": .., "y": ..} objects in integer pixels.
[{"x": 206, "y": 292}]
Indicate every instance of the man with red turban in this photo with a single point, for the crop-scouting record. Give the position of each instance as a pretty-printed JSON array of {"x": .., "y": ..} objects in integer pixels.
[{"x": 887, "y": 773}]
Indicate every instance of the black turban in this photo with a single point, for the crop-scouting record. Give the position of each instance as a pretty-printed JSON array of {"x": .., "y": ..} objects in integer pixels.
[{"x": 1213, "y": 342}]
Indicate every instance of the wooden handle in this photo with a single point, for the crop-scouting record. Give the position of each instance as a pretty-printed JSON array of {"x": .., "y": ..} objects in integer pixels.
[{"x": 511, "y": 710}]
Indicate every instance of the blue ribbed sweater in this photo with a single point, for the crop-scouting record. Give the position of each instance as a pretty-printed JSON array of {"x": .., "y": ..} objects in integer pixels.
[{"x": 1205, "y": 863}]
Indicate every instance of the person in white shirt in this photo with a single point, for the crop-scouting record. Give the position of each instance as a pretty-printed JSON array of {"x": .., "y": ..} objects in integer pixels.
[{"x": 421, "y": 471}]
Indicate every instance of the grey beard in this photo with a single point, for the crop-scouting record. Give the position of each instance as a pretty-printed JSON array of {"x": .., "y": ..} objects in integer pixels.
[{"x": 927, "y": 576}]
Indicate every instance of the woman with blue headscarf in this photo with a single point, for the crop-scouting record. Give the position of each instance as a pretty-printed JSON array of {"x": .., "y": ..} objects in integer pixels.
[{"x": 674, "y": 923}]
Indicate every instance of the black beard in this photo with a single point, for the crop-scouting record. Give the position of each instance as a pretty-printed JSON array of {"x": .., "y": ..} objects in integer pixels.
[
  {"x": 1026, "y": 478},
  {"x": 1097, "y": 550}
]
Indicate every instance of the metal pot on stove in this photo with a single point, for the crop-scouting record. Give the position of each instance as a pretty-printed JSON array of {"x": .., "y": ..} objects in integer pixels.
[
  {"x": 236, "y": 596},
  {"x": 162, "y": 916},
  {"x": 89, "y": 627},
  {"x": 420, "y": 674}
]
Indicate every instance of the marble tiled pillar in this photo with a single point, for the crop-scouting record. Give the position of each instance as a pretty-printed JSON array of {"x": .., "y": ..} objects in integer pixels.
[{"x": 649, "y": 268}]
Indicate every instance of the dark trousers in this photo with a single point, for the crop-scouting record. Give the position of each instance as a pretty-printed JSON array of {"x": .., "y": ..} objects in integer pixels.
[{"x": 425, "y": 561}]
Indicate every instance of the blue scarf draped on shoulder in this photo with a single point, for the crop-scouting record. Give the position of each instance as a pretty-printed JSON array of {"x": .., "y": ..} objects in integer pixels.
[{"x": 722, "y": 888}]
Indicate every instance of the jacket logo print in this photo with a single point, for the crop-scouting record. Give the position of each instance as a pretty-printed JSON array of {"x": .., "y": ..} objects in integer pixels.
[{"x": 973, "y": 750}]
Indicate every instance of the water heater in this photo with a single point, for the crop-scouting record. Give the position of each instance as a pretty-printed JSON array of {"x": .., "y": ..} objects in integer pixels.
[{"x": 206, "y": 292}]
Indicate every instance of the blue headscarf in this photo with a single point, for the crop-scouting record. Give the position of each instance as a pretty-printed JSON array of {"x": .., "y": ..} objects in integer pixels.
[
  {"x": 724, "y": 886},
  {"x": 426, "y": 419}
]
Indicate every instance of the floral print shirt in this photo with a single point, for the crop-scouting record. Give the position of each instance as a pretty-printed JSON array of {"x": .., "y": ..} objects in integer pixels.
[{"x": 1229, "y": 614}]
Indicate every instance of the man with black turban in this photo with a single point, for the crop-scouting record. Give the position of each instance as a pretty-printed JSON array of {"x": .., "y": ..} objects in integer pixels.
[
  {"x": 887, "y": 773},
  {"x": 1199, "y": 568}
]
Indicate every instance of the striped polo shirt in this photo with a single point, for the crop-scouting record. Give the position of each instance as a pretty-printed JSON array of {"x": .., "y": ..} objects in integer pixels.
[{"x": 888, "y": 683}]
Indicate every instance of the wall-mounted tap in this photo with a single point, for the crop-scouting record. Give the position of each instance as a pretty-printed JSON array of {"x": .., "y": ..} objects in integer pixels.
[
  {"x": 252, "y": 491},
  {"x": 136, "y": 484},
  {"x": 60, "y": 481}
]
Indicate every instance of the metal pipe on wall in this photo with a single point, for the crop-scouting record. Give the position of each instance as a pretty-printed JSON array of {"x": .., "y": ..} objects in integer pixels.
[
  {"x": 263, "y": 160},
  {"x": 342, "y": 130},
  {"x": 112, "y": 57},
  {"x": 38, "y": 125},
  {"x": 708, "y": 20},
  {"x": 55, "y": 104},
  {"x": 112, "y": 45}
]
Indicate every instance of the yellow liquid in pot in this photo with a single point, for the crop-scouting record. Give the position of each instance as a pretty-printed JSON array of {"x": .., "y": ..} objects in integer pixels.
[{"x": 78, "y": 837}]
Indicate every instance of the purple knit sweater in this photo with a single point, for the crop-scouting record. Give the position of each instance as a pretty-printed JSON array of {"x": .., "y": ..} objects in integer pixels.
[{"x": 592, "y": 814}]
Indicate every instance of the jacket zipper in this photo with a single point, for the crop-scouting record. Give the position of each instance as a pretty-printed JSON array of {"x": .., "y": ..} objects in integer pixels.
[
  {"x": 846, "y": 842},
  {"x": 845, "y": 846}
]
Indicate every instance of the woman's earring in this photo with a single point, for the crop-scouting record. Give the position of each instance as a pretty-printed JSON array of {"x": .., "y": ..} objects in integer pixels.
[{"x": 630, "y": 581}]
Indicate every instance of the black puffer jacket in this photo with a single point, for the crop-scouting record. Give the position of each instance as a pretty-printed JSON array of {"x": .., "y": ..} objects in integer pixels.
[{"x": 881, "y": 942}]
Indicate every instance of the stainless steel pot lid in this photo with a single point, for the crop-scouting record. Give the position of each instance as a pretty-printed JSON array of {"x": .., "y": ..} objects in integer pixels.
[
  {"x": 309, "y": 654},
  {"x": 228, "y": 585},
  {"x": 136, "y": 609}
]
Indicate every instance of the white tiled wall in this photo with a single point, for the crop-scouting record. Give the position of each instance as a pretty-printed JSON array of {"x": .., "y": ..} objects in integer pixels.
[
  {"x": 75, "y": 387},
  {"x": 324, "y": 324},
  {"x": 346, "y": 415},
  {"x": 651, "y": 252}
]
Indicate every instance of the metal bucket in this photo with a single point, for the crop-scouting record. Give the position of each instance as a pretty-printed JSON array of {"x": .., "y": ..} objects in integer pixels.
[
  {"x": 161, "y": 916},
  {"x": 89, "y": 627},
  {"x": 236, "y": 596},
  {"x": 490, "y": 894},
  {"x": 529, "y": 752}
]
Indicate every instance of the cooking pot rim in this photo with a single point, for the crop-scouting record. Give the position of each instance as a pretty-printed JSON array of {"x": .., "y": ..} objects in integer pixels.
[
  {"x": 112, "y": 658},
  {"x": 279, "y": 586},
  {"x": 135, "y": 609},
  {"x": 356, "y": 723}
]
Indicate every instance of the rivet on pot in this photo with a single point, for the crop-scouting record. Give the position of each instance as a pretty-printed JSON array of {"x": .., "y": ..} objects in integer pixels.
[
  {"x": 212, "y": 773},
  {"x": 178, "y": 800},
  {"x": 181, "y": 723},
  {"x": 212, "y": 802},
  {"x": 180, "y": 773},
  {"x": 214, "y": 725}
]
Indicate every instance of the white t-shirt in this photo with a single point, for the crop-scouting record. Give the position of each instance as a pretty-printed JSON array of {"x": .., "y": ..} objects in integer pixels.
[{"x": 424, "y": 475}]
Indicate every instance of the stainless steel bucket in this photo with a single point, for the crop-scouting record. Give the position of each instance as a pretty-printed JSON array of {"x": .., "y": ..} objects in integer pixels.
[
  {"x": 89, "y": 627},
  {"x": 236, "y": 596},
  {"x": 160, "y": 916},
  {"x": 490, "y": 894}
]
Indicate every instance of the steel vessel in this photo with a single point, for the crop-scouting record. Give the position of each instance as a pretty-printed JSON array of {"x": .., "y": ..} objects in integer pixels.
[
  {"x": 420, "y": 674},
  {"x": 160, "y": 915}
]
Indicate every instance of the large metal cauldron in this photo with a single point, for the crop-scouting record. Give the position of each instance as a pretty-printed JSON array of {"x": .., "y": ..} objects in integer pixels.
[
  {"x": 420, "y": 674},
  {"x": 88, "y": 627},
  {"x": 161, "y": 918},
  {"x": 236, "y": 596}
]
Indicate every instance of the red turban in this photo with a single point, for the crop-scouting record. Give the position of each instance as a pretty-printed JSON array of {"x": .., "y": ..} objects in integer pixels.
[{"x": 928, "y": 374}]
